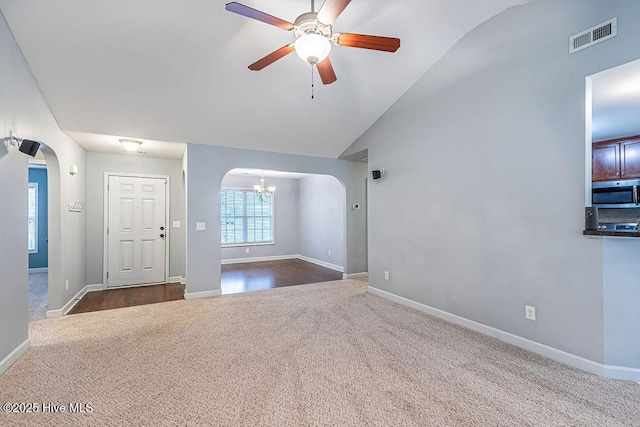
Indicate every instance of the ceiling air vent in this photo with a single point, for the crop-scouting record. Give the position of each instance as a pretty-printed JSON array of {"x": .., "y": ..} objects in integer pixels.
[{"x": 594, "y": 35}]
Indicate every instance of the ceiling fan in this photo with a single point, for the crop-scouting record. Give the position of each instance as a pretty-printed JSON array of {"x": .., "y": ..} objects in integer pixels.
[{"x": 314, "y": 36}]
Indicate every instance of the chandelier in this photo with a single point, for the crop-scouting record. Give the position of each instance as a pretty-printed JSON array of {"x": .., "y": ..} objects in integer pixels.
[{"x": 261, "y": 193}]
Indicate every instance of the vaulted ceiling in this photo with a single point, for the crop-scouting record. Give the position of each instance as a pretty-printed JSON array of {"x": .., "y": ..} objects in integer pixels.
[{"x": 176, "y": 70}]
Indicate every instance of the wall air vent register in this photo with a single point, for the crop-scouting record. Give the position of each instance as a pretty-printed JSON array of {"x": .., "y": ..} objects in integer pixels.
[{"x": 593, "y": 35}]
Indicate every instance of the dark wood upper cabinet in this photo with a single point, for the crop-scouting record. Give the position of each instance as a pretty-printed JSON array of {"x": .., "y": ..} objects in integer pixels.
[
  {"x": 616, "y": 159},
  {"x": 605, "y": 161},
  {"x": 630, "y": 159}
]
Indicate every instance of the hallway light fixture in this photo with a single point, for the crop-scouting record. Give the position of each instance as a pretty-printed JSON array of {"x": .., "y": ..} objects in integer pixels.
[
  {"x": 130, "y": 144},
  {"x": 261, "y": 193}
]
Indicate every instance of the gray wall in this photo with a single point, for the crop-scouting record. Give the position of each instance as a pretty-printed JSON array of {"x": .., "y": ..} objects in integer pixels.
[
  {"x": 621, "y": 299},
  {"x": 13, "y": 237},
  {"x": 97, "y": 165},
  {"x": 207, "y": 165},
  {"x": 322, "y": 210},
  {"x": 285, "y": 214},
  {"x": 481, "y": 208},
  {"x": 24, "y": 110}
]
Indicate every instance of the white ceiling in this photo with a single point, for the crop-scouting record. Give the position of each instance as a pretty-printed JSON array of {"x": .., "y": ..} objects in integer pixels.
[
  {"x": 111, "y": 144},
  {"x": 176, "y": 70},
  {"x": 267, "y": 173},
  {"x": 616, "y": 102}
]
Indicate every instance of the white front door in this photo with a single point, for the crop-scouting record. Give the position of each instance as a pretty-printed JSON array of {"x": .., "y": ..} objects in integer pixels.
[{"x": 136, "y": 230}]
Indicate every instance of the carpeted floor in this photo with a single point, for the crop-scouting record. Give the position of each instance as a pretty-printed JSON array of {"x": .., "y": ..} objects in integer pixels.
[
  {"x": 323, "y": 354},
  {"x": 38, "y": 295}
]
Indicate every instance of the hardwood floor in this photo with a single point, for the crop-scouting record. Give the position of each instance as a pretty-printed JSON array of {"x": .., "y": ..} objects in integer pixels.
[
  {"x": 235, "y": 278},
  {"x": 128, "y": 297},
  {"x": 256, "y": 276}
]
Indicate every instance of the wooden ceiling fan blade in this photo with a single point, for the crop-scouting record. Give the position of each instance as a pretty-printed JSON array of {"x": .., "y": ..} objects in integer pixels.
[
  {"x": 271, "y": 58},
  {"x": 325, "y": 69},
  {"x": 243, "y": 10},
  {"x": 330, "y": 11},
  {"x": 386, "y": 44}
]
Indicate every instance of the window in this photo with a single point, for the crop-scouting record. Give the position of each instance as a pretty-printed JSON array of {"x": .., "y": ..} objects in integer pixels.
[
  {"x": 244, "y": 219},
  {"x": 32, "y": 217}
]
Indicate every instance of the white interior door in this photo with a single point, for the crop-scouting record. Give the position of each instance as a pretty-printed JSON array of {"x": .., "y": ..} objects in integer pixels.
[{"x": 136, "y": 230}]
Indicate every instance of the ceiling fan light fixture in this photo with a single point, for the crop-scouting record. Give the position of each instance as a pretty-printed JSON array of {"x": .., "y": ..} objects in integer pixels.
[
  {"x": 130, "y": 144},
  {"x": 312, "y": 48}
]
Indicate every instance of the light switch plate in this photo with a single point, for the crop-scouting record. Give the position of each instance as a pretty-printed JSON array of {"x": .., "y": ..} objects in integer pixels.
[
  {"x": 176, "y": 224},
  {"x": 200, "y": 226}
]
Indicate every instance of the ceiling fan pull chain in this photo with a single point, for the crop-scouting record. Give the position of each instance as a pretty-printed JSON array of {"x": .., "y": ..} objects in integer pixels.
[{"x": 312, "y": 85}]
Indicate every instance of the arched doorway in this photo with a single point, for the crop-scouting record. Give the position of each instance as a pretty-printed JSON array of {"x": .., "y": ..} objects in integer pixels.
[
  {"x": 37, "y": 218},
  {"x": 54, "y": 256},
  {"x": 292, "y": 235}
]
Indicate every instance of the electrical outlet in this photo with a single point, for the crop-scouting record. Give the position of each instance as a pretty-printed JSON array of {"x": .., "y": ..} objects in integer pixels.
[
  {"x": 246, "y": 251},
  {"x": 176, "y": 224},
  {"x": 66, "y": 285},
  {"x": 386, "y": 275},
  {"x": 200, "y": 226},
  {"x": 329, "y": 252},
  {"x": 529, "y": 312}
]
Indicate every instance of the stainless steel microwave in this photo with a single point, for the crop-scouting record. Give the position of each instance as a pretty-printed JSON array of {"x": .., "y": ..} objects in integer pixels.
[{"x": 616, "y": 194}]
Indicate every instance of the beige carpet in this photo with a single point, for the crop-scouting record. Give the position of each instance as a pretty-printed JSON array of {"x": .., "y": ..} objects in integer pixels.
[
  {"x": 38, "y": 295},
  {"x": 324, "y": 354}
]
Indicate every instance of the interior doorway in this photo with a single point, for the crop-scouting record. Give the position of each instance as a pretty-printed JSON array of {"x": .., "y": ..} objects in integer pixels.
[
  {"x": 38, "y": 238},
  {"x": 280, "y": 229}
]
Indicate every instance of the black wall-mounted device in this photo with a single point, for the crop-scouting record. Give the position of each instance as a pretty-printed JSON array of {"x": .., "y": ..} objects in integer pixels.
[
  {"x": 29, "y": 147},
  {"x": 376, "y": 174}
]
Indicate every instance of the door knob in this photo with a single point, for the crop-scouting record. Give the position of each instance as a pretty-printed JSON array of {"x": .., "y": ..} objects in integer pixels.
[
  {"x": 161, "y": 228},
  {"x": 162, "y": 235}
]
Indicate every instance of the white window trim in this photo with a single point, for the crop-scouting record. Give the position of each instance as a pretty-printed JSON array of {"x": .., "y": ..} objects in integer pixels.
[
  {"x": 273, "y": 222},
  {"x": 34, "y": 185}
]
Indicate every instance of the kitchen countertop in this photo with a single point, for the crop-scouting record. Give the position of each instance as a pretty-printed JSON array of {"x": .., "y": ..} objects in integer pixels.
[{"x": 611, "y": 233}]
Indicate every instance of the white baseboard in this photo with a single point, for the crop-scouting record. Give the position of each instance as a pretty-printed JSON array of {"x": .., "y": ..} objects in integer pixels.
[
  {"x": 183, "y": 280},
  {"x": 622, "y": 373},
  {"x": 258, "y": 259},
  {"x": 614, "y": 372},
  {"x": 322, "y": 263},
  {"x": 39, "y": 270},
  {"x": 282, "y": 257},
  {"x": 73, "y": 301},
  {"x": 364, "y": 275},
  {"x": 14, "y": 355},
  {"x": 175, "y": 279},
  {"x": 204, "y": 294}
]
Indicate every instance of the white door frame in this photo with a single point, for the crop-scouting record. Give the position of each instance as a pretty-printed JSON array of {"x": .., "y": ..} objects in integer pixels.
[{"x": 105, "y": 248}]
